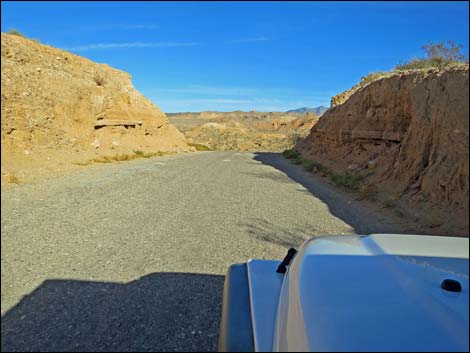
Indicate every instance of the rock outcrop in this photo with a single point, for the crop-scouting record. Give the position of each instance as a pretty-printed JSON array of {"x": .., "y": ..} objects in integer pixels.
[
  {"x": 59, "y": 108},
  {"x": 407, "y": 133}
]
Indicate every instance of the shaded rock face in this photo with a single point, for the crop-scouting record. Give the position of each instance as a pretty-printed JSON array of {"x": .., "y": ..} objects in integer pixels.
[
  {"x": 244, "y": 131},
  {"x": 53, "y": 102},
  {"x": 408, "y": 133}
]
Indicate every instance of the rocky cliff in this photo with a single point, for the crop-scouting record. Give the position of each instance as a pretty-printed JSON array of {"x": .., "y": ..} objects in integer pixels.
[
  {"x": 408, "y": 134},
  {"x": 59, "y": 108}
]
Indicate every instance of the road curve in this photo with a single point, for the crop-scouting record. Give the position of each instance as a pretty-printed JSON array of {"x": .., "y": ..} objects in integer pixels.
[{"x": 132, "y": 256}]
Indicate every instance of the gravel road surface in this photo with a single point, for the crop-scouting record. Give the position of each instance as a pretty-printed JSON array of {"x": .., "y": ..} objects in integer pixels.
[{"x": 132, "y": 256}]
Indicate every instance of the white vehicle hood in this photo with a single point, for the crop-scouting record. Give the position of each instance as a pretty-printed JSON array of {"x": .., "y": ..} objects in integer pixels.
[{"x": 373, "y": 293}]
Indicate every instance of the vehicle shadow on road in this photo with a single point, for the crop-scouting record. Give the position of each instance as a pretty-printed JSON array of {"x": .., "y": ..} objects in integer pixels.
[
  {"x": 158, "y": 312},
  {"x": 359, "y": 218}
]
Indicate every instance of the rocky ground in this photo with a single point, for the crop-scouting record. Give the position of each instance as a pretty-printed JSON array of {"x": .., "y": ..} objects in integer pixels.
[{"x": 244, "y": 131}]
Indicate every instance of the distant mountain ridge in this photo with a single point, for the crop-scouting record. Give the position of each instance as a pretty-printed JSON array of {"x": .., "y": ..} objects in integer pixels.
[{"x": 317, "y": 110}]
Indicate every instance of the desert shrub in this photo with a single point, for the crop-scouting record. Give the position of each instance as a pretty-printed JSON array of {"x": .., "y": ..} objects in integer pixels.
[
  {"x": 449, "y": 52},
  {"x": 437, "y": 55},
  {"x": 200, "y": 147},
  {"x": 388, "y": 203},
  {"x": 372, "y": 77},
  {"x": 314, "y": 166},
  {"x": 422, "y": 64},
  {"x": 347, "y": 180},
  {"x": 291, "y": 154},
  {"x": 15, "y": 32},
  {"x": 308, "y": 165},
  {"x": 122, "y": 157},
  {"x": 105, "y": 159},
  {"x": 13, "y": 179},
  {"x": 317, "y": 167},
  {"x": 154, "y": 154}
]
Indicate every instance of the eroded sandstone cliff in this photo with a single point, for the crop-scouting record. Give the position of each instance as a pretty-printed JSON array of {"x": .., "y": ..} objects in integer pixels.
[
  {"x": 407, "y": 133},
  {"x": 59, "y": 109}
]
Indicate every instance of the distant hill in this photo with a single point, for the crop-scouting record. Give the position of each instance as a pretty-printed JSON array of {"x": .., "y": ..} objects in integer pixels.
[
  {"x": 244, "y": 131},
  {"x": 317, "y": 110}
]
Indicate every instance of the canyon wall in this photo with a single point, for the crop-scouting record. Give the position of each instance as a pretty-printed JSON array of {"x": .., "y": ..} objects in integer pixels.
[{"x": 407, "y": 133}]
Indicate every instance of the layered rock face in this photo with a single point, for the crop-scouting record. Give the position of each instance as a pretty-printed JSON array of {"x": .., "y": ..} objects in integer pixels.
[
  {"x": 244, "y": 131},
  {"x": 407, "y": 133},
  {"x": 59, "y": 108}
]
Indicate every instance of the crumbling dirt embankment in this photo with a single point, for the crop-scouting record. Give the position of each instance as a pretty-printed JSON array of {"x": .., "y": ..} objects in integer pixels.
[
  {"x": 59, "y": 109},
  {"x": 407, "y": 134}
]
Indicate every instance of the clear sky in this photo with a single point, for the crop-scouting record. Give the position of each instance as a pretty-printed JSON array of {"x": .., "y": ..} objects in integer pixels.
[{"x": 270, "y": 56}]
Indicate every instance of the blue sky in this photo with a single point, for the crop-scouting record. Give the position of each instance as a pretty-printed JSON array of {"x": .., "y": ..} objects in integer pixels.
[{"x": 270, "y": 56}]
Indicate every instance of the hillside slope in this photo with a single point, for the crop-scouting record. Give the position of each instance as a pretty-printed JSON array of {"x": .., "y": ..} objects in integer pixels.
[
  {"x": 244, "y": 131},
  {"x": 407, "y": 134},
  {"x": 59, "y": 108}
]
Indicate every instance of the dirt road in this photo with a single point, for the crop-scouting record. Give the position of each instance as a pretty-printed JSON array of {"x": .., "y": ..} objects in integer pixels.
[{"x": 132, "y": 256}]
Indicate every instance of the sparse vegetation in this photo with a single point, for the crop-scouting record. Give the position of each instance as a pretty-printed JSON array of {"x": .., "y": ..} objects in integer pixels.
[
  {"x": 291, "y": 154},
  {"x": 374, "y": 76},
  {"x": 398, "y": 213},
  {"x": 308, "y": 165},
  {"x": 121, "y": 157},
  {"x": 343, "y": 179},
  {"x": 15, "y": 32},
  {"x": 316, "y": 167},
  {"x": 347, "y": 180},
  {"x": 295, "y": 137},
  {"x": 154, "y": 154},
  {"x": 105, "y": 159},
  {"x": 368, "y": 191},
  {"x": 199, "y": 147},
  {"x": 437, "y": 55},
  {"x": 320, "y": 168},
  {"x": 84, "y": 163},
  {"x": 451, "y": 52},
  {"x": 388, "y": 203},
  {"x": 13, "y": 179}
]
